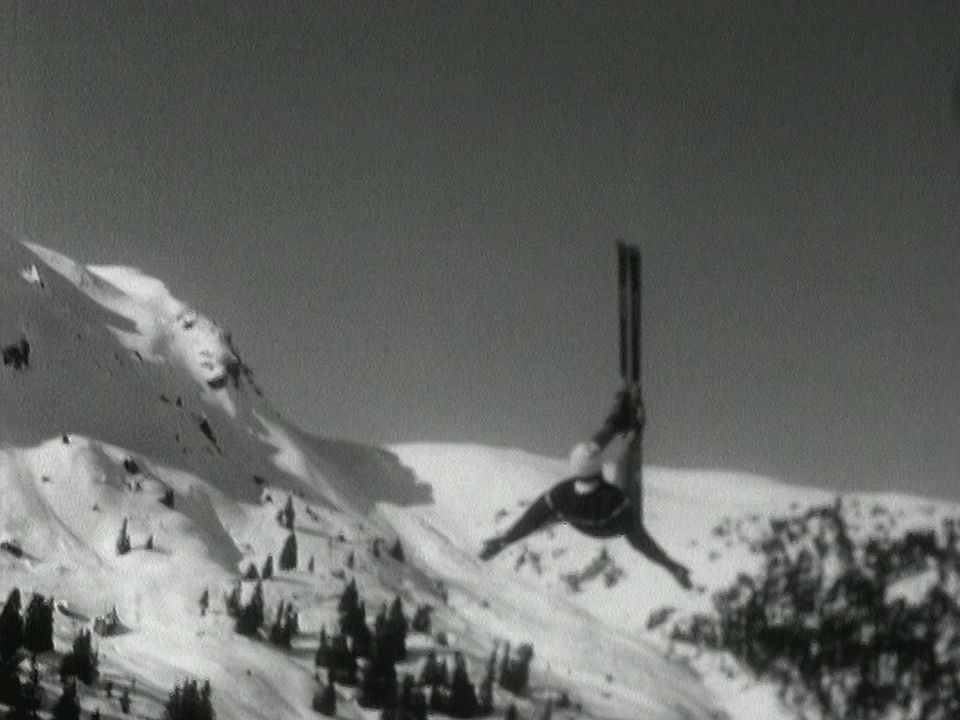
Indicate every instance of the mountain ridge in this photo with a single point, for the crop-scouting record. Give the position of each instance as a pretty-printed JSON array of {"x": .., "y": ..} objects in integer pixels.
[{"x": 128, "y": 395}]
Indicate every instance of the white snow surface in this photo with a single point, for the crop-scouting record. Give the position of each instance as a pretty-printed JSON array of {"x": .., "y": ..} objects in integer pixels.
[{"x": 120, "y": 371}]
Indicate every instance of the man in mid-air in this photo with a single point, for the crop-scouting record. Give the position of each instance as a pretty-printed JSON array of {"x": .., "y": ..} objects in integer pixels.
[{"x": 592, "y": 505}]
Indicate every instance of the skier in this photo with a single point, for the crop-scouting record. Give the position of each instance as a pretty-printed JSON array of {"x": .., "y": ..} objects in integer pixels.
[{"x": 592, "y": 505}]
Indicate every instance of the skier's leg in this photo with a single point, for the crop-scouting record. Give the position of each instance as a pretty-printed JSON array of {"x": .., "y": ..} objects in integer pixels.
[
  {"x": 625, "y": 415},
  {"x": 640, "y": 540},
  {"x": 536, "y": 517},
  {"x": 629, "y": 472}
]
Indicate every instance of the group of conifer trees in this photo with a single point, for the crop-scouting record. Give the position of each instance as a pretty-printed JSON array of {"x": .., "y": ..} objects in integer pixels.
[
  {"x": 191, "y": 701},
  {"x": 251, "y": 616},
  {"x": 31, "y": 632},
  {"x": 359, "y": 655},
  {"x": 288, "y": 559},
  {"x": 365, "y": 657},
  {"x": 22, "y": 633}
]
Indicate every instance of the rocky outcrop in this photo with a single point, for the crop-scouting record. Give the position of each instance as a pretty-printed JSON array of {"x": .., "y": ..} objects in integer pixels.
[{"x": 17, "y": 354}]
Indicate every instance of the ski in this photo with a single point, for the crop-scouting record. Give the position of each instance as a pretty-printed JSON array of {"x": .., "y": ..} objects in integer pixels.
[
  {"x": 623, "y": 295},
  {"x": 629, "y": 291},
  {"x": 635, "y": 287},
  {"x": 629, "y": 278}
]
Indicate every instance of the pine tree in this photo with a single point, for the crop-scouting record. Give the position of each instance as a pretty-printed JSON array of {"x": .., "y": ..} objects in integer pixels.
[
  {"x": 123, "y": 540},
  {"x": 173, "y": 708},
  {"x": 251, "y": 618},
  {"x": 421, "y": 619},
  {"x": 349, "y": 598},
  {"x": 350, "y": 561},
  {"x": 524, "y": 658},
  {"x": 11, "y": 690},
  {"x": 407, "y": 687},
  {"x": 310, "y": 565},
  {"x": 288, "y": 514},
  {"x": 485, "y": 695},
  {"x": 515, "y": 673},
  {"x": 11, "y": 626},
  {"x": 413, "y": 703},
  {"x": 438, "y": 699},
  {"x": 463, "y": 696},
  {"x": 168, "y": 498},
  {"x": 325, "y": 699},
  {"x": 380, "y": 626},
  {"x": 149, "y": 544},
  {"x": 292, "y": 621},
  {"x": 234, "y": 601},
  {"x": 204, "y": 602},
  {"x": 288, "y": 556},
  {"x": 356, "y": 627},
  {"x": 252, "y": 573},
  {"x": 125, "y": 700},
  {"x": 38, "y": 625},
  {"x": 343, "y": 663},
  {"x": 206, "y": 702},
  {"x": 68, "y": 706},
  {"x": 267, "y": 571},
  {"x": 30, "y": 697},
  {"x": 353, "y": 620},
  {"x": 395, "y": 630},
  {"x": 378, "y": 684},
  {"x": 277, "y": 628},
  {"x": 396, "y": 551},
  {"x": 430, "y": 675},
  {"x": 82, "y": 661},
  {"x": 322, "y": 658},
  {"x": 285, "y": 626},
  {"x": 505, "y": 664}
]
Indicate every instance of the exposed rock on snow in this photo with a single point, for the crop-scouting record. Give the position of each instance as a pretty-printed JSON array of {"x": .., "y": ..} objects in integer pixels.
[
  {"x": 32, "y": 275},
  {"x": 17, "y": 354}
]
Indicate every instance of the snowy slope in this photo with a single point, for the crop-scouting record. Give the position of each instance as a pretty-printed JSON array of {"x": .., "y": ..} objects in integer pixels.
[
  {"x": 129, "y": 394},
  {"x": 706, "y": 520}
]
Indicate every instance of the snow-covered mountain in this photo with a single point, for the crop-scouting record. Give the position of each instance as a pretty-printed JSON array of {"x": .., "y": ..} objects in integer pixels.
[{"x": 116, "y": 394}]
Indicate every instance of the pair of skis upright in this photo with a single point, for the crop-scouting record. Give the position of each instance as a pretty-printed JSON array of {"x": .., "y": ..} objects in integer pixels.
[
  {"x": 629, "y": 285},
  {"x": 629, "y": 267}
]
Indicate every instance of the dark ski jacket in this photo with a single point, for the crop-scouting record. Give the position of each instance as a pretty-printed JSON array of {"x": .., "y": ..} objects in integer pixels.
[{"x": 592, "y": 505}]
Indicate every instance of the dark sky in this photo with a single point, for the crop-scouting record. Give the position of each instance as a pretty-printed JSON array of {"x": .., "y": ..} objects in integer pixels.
[{"x": 406, "y": 212}]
